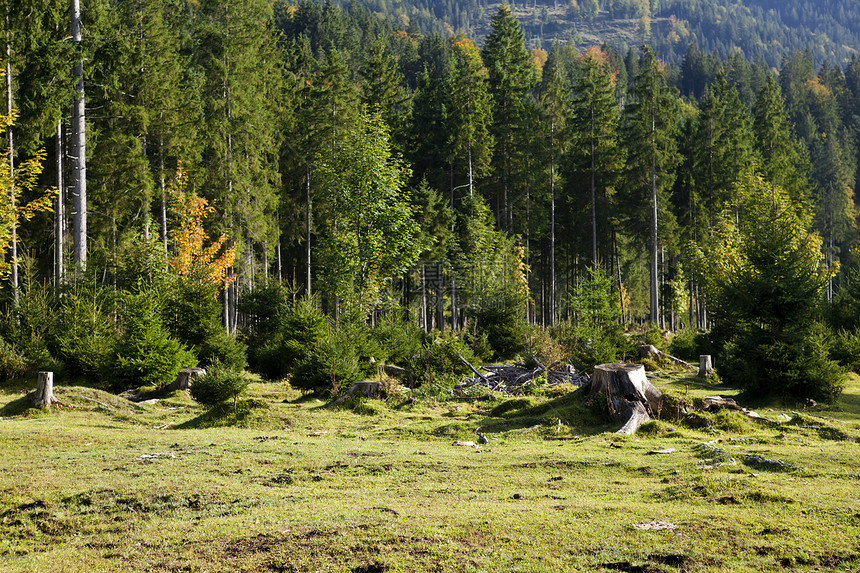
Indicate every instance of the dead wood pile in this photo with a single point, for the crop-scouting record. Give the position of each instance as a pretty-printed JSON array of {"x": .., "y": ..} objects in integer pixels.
[{"x": 513, "y": 379}]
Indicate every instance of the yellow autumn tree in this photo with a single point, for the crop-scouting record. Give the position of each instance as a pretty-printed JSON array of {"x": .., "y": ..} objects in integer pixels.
[
  {"x": 193, "y": 256},
  {"x": 12, "y": 212}
]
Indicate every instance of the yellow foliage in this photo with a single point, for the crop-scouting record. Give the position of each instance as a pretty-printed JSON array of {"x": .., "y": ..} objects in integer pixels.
[
  {"x": 12, "y": 214},
  {"x": 193, "y": 257}
]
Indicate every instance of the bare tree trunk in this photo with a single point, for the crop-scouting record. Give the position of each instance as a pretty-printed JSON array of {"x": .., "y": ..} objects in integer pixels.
[
  {"x": 308, "y": 226},
  {"x": 162, "y": 184},
  {"x": 552, "y": 279},
  {"x": 44, "y": 395},
  {"x": 11, "y": 143},
  {"x": 79, "y": 171},
  {"x": 655, "y": 301},
  {"x": 59, "y": 215}
]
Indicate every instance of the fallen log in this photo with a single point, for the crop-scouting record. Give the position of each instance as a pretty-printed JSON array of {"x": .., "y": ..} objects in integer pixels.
[{"x": 651, "y": 351}]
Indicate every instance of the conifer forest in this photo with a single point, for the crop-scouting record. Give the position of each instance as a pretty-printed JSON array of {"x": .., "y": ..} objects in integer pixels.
[{"x": 307, "y": 190}]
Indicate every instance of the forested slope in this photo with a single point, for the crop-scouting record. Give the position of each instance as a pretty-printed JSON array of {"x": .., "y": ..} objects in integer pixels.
[{"x": 759, "y": 29}]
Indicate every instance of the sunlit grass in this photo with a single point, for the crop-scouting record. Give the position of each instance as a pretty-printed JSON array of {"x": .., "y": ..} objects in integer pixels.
[{"x": 98, "y": 484}]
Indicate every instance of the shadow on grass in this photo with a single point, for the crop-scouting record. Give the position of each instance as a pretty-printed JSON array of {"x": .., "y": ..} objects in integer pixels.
[
  {"x": 19, "y": 407},
  {"x": 571, "y": 409},
  {"x": 248, "y": 413}
]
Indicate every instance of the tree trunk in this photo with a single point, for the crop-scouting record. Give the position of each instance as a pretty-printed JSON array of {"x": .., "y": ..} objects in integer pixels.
[
  {"x": 79, "y": 172},
  {"x": 11, "y": 153},
  {"x": 59, "y": 215},
  {"x": 706, "y": 366},
  {"x": 44, "y": 395},
  {"x": 186, "y": 377},
  {"x": 630, "y": 398}
]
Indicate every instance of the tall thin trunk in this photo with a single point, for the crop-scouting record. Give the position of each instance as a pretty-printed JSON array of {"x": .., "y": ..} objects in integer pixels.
[
  {"x": 308, "y": 226},
  {"x": 162, "y": 184},
  {"x": 11, "y": 151},
  {"x": 552, "y": 280},
  {"x": 279, "y": 259},
  {"x": 593, "y": 197},
  {"x": 655, "y": 302},
  {"x": 79, "y": 171},
  {"x": 59, "y": 214}
]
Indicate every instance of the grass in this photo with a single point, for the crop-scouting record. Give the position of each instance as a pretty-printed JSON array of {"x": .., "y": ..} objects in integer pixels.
[{"x": 284, "y": 484}]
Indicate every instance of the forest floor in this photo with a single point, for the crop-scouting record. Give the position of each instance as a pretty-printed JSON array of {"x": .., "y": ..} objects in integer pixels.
[{"x": 284, "y": 484}]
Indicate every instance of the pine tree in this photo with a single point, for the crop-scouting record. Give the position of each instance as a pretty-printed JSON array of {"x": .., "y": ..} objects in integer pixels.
[
  {"x": 651, "y": 124},
  {"x": 595, "y": 155},
  {"x": 783, "y": 162},
  {"x": 470, "y": 144},
  {"x": 511, "y": 78},
  {"x": 241, "y": 92}
]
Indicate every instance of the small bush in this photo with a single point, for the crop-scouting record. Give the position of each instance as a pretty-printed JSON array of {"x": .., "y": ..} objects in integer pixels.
[
  {"x": 146, "y": 354},
  {"x": 219, "y": 384},
  {"x": 12, "y": 364},
  {"x": 799, "y": 367},
  {"x": 589, "y": 345},
  {"x": 846, "y": 349},
  {"x": 87, "y": 333}
]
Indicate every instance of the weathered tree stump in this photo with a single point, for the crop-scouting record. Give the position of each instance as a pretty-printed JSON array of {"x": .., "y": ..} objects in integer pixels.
[
  {"x": 706, "y": 366},
  {"x": 186, "y": 378},
  {"x": 630, "y": 397},
  {"x": 366, "y": 389},
  {"x": 44, "y": 396},
  {"x": 649, "y": 351}
]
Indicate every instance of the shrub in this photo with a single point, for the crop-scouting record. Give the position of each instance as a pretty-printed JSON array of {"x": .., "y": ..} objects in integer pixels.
[
  {"x": 12, "y": 364},
  {"x": 846, "y": 349},
  {"x": 86, "y": 333},
  {"x": 219, "y": 384},
  {"x": 504, "y": 324},
  {"x": 146, "y": 354},
  {"x": 800, "y": 367},
  {"x": 588, "y": 345}
]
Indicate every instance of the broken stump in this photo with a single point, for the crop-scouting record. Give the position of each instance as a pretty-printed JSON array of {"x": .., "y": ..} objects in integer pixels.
[
  {"x": 366, "y": 389},
  {"x": 630, "y": 397},
  {"x": 186, "y": 378},
  {"x": 706, "y": 366},
  {"x": 44, "y": 395}
]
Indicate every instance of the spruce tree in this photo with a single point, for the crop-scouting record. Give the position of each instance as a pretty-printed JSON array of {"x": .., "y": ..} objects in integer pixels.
[
  {"x": 511, "y": 78},
  {"x": 595, "y": 154},
  {"x": 650, "y": 129}
]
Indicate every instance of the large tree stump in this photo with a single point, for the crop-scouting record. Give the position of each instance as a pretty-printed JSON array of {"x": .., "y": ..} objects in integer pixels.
[
  {"x": 366, "y": 389},
  {"x": 706, "y": 366},
  {"x": 186, "y": 378},
  {"x": 630, "y": 398},
  {"x": 44, "y": 395}
]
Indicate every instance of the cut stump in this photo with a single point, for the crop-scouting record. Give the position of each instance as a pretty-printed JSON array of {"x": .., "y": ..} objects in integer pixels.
[
  {"x": 630, "y": 397},
  {"x": 366, "y": 389},
  {"x": 44, "y": 395},
  {"x": 706, "y": 366},
  {"x": 186, "y": 378}
]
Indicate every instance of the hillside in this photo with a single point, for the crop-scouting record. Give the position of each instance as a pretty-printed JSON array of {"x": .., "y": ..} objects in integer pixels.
[{"x": 760, "y": 29}]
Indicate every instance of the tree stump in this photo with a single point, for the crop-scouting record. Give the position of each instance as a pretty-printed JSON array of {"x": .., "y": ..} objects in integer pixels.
[
  {"x": 649, "y": 351},
  {"x": 630, "y": 398},
  {"x": 366, "y": 389},
  {"x": 44, "y": 395},
  {"x": 706, "y": 366},
  {"x": 186, "y": 378}
]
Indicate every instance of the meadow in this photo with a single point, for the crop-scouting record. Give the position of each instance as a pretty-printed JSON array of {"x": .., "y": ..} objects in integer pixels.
[{"x": 99, "y": 483}]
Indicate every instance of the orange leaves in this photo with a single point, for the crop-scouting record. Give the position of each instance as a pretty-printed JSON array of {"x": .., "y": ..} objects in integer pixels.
[{"x": 193, "y": 257}]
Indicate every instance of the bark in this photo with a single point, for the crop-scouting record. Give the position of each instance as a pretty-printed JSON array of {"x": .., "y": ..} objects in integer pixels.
[
  {"x": 59, "y": 215},
  {"x": 706, "y": 366},
  {"x": 630, "y": 397},
  {"x": 186, "y": 377},
  {"x": 44, "y": 395},
  {"x": 79, "y": 172}
]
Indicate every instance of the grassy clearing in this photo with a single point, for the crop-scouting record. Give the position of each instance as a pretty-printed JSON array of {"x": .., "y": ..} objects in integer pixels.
[{"x": 283, "y": 484}]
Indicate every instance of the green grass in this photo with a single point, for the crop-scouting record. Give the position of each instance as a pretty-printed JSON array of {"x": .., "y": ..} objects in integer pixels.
[{"x": 284, "y": 484}]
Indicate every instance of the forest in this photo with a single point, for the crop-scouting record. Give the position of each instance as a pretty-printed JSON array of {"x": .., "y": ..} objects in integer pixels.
[{"x": 308, "y": 190}]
